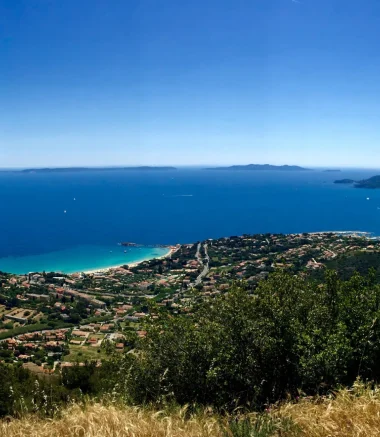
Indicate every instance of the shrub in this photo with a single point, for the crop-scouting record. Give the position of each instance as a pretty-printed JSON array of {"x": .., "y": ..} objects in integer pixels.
[{"x": 246, "y": 349}]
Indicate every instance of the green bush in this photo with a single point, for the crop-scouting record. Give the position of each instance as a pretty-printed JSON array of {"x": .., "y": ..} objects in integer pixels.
[
  {"x": 246, "y": 349},
  {"x": 21, "y": 392}
]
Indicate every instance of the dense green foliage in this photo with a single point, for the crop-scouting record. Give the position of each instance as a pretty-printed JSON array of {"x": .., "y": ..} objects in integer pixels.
[
  {"x": 252, "y": 349},
  {"x": 21, "y": 392},
  {"x": 348, "y": 264}
]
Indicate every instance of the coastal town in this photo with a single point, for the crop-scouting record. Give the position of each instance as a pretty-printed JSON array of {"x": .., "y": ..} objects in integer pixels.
[{"x": 49, "y": 321}]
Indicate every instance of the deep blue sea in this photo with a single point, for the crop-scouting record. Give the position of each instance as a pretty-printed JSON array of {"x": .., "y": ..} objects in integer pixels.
[{"x": 172, "y": 207}]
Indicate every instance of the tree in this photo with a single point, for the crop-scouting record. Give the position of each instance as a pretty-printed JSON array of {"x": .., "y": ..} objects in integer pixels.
[
  {"x": 75, "y": 317},
  {"x": 254, "y": 349},
  {"x": 78, "y": 377},
  {"x": 108, "y": 346}
]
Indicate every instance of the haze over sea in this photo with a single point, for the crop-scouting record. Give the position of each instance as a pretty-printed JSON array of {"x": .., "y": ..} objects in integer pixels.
[{"x": 167, "y": 207}]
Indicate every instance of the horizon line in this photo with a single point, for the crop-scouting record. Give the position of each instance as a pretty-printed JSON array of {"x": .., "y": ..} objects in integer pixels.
[{"x": 94, "y": 167}]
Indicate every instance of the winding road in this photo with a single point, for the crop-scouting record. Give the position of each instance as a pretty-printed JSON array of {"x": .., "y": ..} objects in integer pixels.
[{"x": 206, "y": 264}]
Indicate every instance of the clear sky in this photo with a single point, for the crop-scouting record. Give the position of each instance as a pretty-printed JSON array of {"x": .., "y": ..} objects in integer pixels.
[{"x": 130, "y": 82}]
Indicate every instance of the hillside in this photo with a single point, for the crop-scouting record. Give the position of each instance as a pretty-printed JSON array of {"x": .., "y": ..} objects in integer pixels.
[
  {"x": 226, "y": 326},
  {"x": 347, "y": 265}
]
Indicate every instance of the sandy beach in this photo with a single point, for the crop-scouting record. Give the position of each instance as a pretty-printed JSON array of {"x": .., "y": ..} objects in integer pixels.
[{"x": 171, "y": 251}]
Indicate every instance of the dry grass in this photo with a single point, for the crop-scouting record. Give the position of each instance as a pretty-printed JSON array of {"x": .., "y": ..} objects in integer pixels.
[
  {"x": 351, "y": 413},
  {"x": 101, "y": 421}
]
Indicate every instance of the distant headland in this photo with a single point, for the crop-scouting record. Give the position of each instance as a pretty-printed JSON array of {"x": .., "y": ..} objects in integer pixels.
[
  {"x": 92, "y": 169},
  {"x": 344, "y": 181},
  {"x": 372, "y": 183},
  {"x": 260, "y": 167}
]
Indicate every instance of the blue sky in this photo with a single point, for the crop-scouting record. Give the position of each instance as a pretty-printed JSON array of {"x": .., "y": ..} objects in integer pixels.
[{"x": 128, "y": 82}]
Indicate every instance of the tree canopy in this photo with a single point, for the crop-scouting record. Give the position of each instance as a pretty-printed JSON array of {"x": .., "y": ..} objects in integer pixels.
[{"x": 252, "y": 349}]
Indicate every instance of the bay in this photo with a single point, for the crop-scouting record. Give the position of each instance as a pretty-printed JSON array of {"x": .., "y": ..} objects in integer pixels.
[{"x": 59, "y": 219}]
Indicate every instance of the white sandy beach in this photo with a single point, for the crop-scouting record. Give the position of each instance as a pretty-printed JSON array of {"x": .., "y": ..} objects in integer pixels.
[{"x": 171, "y": 251}]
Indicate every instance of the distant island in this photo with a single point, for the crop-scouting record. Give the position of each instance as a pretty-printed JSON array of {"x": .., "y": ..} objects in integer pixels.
[
  {"x": 371, "y": 183},
  {"x": 260, "y": 167},
  {"x": 344, "y": 181},
  {"x": 332, "y": 170},
  {"x": 92, "y": 169}
]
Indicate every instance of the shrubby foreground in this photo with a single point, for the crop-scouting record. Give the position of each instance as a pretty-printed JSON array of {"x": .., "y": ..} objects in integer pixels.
[{"x": 289, "y": 336}]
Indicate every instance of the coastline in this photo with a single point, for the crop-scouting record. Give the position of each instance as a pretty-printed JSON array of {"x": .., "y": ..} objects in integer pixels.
[
  {"x": 168, "y": 250},
  {"x": 80, "y": 259},
  {"x": 365, "y": 234},
  {"x": 171, "y": 251}
]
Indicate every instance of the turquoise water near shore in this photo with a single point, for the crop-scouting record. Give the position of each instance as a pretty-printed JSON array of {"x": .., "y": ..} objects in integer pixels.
[
  {"x": 72, "y": 221},
  {"x": 79, "y": 259}
]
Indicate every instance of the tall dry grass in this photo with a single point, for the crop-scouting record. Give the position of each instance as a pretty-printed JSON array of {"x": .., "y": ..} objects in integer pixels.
[
  {"x": 350, "y": 413},
  {"x": 105, "y": 421}
]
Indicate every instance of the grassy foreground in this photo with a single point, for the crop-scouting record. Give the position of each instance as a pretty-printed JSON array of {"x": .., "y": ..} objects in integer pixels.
[
  {"x": 348, "y": 413},
  {"x": 105, "y": 421}
]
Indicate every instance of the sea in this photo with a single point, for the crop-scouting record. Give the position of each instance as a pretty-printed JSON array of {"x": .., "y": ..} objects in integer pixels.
[{"x": 74, "y": 221}]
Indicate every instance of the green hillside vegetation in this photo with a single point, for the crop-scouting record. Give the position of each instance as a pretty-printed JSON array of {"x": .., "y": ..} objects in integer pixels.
[
  {"x": 245, "y": 349},
  {"x": 355, "y": 262}
]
